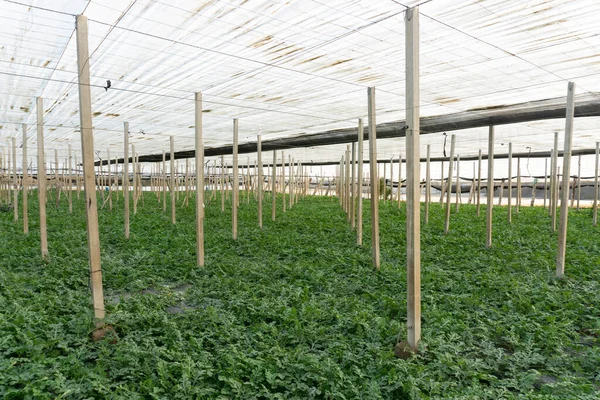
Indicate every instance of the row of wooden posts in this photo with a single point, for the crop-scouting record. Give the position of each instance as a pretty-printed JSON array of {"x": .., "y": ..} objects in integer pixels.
[{"x": 346, "y": 186}]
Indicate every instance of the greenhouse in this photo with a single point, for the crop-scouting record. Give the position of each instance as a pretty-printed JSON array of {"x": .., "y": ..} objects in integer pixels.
[{"x": 346, "y": 199}]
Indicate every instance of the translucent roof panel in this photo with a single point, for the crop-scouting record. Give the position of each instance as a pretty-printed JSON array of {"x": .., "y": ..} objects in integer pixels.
[{"x": 288, "y": 68}]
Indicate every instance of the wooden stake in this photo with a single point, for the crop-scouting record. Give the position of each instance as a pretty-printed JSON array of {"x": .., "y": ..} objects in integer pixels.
[
  {"x": 283, "y": 179},
  {"x": 413, "y": 169},
  {"x": 15, "y": 181},
  {"x": 510, "y": 183},
  {"x": 359, "y": 174},
  {"x": 164, "y": 180},
  {"x": 41, "y": 177},
  {"x": 490, "y": 190},
  {"x": 479, "y": 184},
  {"x": 135, "y": 186},
  {"x": 274, "y": 187},
  {"x": 172, "y": 168},
  {"x": 25, "y": 182},
  {"x": 428, "y": 184},
  {"x": 545, "y": 181},
  {"x": 236, "y": 181},
  {"x": 353, "y": 206},
  {"x": 449, "y": 184},
  {"x": 125, "y": 180},
  {"x": 518, "y": 199},
  {"x": 87, "y": 150},
  {"x": 595, "y": 207},
  {"x": 260, "y": 182},
  {"x": 458, "y": 188},
  {"x": 374, "y": 179},
  {"x": 199, "y": 150},
  {"x": 554, "y": 188},
  {"x": 109, "y": 180},
  {"x": 564, "y": 206},
  {"x": 222, "y": 184},
  {"x": 578, "y": 181},
  {"x": 348, "y": 185}
]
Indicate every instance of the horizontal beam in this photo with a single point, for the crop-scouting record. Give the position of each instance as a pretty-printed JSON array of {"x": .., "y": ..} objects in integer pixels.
[{"x": 587, "y": 105}]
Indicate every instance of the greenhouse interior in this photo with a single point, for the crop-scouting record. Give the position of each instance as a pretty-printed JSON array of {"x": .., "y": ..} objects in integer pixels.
[{"x": 300, "y": 199}]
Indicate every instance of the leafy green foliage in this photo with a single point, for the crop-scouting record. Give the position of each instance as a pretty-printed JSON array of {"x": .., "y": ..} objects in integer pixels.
[{"x": 295, "y": 311}]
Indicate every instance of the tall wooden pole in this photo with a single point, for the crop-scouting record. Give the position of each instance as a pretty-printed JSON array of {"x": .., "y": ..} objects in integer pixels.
[
  {"x": 556, "y": 188},
  {"x": 449, "y": 184},
  {"x": 413, "y": 169},
  {"x": 199, "y": 150},
  {"x": 428, "y": 184},
  {"x": 458, "y": 188},
  {"x": 490, "y": 189},
  {"x": 172, "y": 168},
  {"x": 359, "y": 174},
  {"x": 125, "y": 181},
  {"x": 259, "y": 186},
  {"x": 374, "y": 179},
  {"x": 41, "y": 177},
  {"x": 347, "y": 186},
  {"x": 510, "y": 183},
  {"x": 545, "y": 181},
  {"x": 134, "y": 172},
  {"x": 353, "y": 207},
  {"x": 595, "y": 207},
  {"x": 15, "y": 181},
  {"x": 274, "y": 186},
  {"x": 236, "y": 181},
  {"x": 578, "y": 181},
  {"x": 109, "y": 179},
  {"x": 479, "y": 184},
  {"x": 87, "y": 150},
  {"x": 564, "y": 205},
  {"x": 25, "y": 182}
]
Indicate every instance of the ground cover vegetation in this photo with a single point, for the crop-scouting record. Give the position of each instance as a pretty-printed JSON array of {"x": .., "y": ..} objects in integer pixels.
[{"x": 295, "y": 311}]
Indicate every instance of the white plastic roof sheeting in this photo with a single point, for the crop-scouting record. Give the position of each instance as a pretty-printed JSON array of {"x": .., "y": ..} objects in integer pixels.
[{"x": 288, "y": 68}]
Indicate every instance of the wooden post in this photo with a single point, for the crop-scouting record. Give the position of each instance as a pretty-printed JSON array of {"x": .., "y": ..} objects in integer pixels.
[
  {"x": 87, "y": 150},
  {"x": 41, "y": 178},
  {"x": 353, "y": 207},
  {"x": 274, "y": 187},
  {"x": 283, "y": 179},
  {"x": 291, "y": 174},
  {"x": 545, "y": 181},
  {"x": 125, "y": 181},
  {"x": 413, "y": 169},
  {"x": 555, "y": 189},
  {"x": 479, "y": 184},
  {"x": 399, "y": 177},
  {"x": 449, "y": 184},
  {"x": 109, "y": 179},
  {"x": 25, "y": 182},
  {"x": 578, "y": 181},
  {"x": 428, "y": 184},
  {"x": 347, "y": 188},
  {"x": 15, "y": 181},
  {"x": 564, "y": 206},
  {"x": 374, "y": 179},
  {"x": 199, "y": 150},
  {"x": 510, "y": 183},
  {"x": 134, "y": 171},
  {"x": 222, "y": 184},
  {"x": 172, "y": 170},
  {"x": 518, "y": 199},
  {"x": 458, "y": 188},
  {"x": 490, "y": 189},
  {"x": 164, "y": 181},
  {"x": 236, "y": 181},
  {"x": 259, "y": 186},
  {"x": 595, "y": 207},
  {"x": 359, "y": 174}
]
